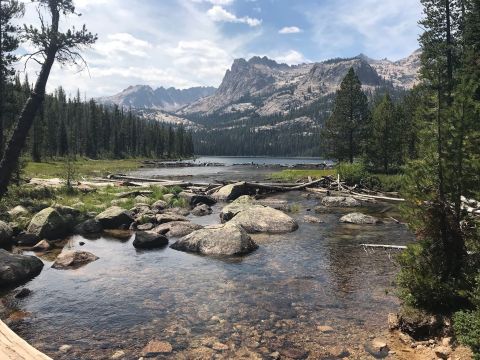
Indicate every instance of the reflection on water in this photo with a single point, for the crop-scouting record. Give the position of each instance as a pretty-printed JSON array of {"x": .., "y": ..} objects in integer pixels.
[{"x": 271, "y": 300}]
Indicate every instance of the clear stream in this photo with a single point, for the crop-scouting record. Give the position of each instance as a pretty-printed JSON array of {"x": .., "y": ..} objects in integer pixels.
[{"x": 272, "y": 300}]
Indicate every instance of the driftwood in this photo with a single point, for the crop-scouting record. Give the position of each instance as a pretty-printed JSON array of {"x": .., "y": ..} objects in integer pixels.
[
  {"x": 13, "y": 346},
  {"x": 397, "y": 247}
]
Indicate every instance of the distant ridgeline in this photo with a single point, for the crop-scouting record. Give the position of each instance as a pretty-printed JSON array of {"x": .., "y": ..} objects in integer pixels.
[{"x": 70, "y": 126}]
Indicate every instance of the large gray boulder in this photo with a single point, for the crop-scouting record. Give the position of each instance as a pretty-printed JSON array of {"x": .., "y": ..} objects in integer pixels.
[
  {"x": 6, "y": 234},
  {"x": 149, "y": 240},
  {"x": 16, "y": 269},
  {"x": 360, "y": 219},
  {"x": 340, "y": 201},
  {"x": 220, "y": 240},
  {"x": 232, "y": 191},
  {"x": 48, "y": 224},
  {"x": 114, "y": 217},
  {"x": 73, "y": 260},
  {"x": 242, "y": 203},
  {"x": 169, "y": 217},
  {"x": 177, "y": 229},
  {"x": 264, "y": 219}
]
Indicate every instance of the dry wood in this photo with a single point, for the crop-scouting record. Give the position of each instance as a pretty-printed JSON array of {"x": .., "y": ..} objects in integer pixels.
[
  {"x": 398, "y": 247},
  {"x": 13, "y": 347}
]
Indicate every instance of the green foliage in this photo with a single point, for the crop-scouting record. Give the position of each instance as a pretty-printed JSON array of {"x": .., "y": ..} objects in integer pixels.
[
  {"x": 384, "y": 147},
  {"x": 301, "y": 175},
  {"x": 352, "y": 173},
  {"x": 345, "y": 131},
  {"x": 467, "y": 330}
]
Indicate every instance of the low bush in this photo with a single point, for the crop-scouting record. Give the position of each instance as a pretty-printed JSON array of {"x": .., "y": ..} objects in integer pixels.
[
  {"x": 352, "y": 173},
  {"x": 466, "y": 325}
]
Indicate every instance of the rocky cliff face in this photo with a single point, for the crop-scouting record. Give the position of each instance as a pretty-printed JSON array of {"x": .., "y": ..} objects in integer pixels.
[
  {"x": 273, "y": 88},
  {"x": 144, "y": 97}
]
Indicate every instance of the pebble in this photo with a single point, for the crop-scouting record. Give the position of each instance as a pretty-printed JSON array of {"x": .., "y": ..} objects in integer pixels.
[
  {"x": 325, "y": 329},
  {"x": 65, "y": 348},
  {"x": 118, "y": 354},
  {"x": 155, "y": 348},
  {"x": 219, "y": 347}
]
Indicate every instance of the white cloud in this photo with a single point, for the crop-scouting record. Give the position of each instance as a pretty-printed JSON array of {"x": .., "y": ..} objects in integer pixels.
[
  {"x": 215, "y": 2},
  {"x": 218, "y": 13},
  {"x": 290, "y": 30},
  {"x": 291, "y": 57}
]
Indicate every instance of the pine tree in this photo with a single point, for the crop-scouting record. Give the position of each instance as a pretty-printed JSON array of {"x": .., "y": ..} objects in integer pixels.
[{"x": 345, "y": 130}]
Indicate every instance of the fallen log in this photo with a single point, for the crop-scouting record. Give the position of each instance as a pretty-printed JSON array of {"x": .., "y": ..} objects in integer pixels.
[
  {"x": 13, "y": 346},
  {"x": 281, "y": 187},
  {"x": 397, "y": 247}
]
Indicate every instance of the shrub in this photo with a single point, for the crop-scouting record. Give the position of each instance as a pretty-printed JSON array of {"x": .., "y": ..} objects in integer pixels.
[
  {"x": 352, "y": 173},
  {"x": 466, "y": 325}
]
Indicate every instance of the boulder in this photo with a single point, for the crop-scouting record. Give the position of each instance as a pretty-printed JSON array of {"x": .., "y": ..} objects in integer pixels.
[
  {"x": 114, "y": 217},
  {"x": 202, "y": 210},
  {"x": 442, "y": 352},
  {"x": 168, "y": 197},
  {"x": 202, "y": 199},
  {"x": 232, "y": 191},
  {"x": 67, "y": 211},
  {"x": 18, "y": 211},
  {"x": 91, "y": 226},
  {"x": 169, "y": 217},
  {"x": 149, "y": 240},
  {"x": 48, "y": 224},
  {"x": 159, "y": 205},
  {"x": 263, "y": 219},
  {"x": 6, "y": 234},
  {"x": 41, "y": 246},
  {"x": 312, "y": 220},
  {"x": 179, "y": 211},
  {"x": 177, "y": 228},
  {"x": 16, "y": 269},
  {"x": 145, "y": 227},
  {"x": 118, "y": 234},
  {"x": 340, "y": 201},
  {"x": 73, "y": 260},
  {"x": 242, "y": 203},
  {"x": 25, "y": 239},
  {"x": 377, "y": 347},
  {"x": 359, "y": 219},
  {"x": 226, "y": 239}
]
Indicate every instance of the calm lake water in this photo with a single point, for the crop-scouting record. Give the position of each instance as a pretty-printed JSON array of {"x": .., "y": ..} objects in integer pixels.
[
  {"x": 271, "y": 300},
  {"x": 233, "y": 168}
]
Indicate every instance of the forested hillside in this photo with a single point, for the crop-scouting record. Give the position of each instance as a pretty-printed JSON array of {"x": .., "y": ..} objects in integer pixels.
[{"x": 75, "y": 127}]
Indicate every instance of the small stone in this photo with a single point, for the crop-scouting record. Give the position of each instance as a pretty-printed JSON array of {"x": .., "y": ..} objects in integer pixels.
[
  {"x": 65, "y": 348},
  {"x": 312, "y": 219},
  {"x": 325, "y": 329},
  {"x": 155, "y": 348},
  {"x": 377, "y": 347},
  {"x": 338, "y": 352},
  {"x": 275, "y": 355},
  {"x": 41, "y": 246},
  {"x": 219, "y": 346},
  {"x": 443, "y": 352},
  {"x": 393, "y": 321},
  {"x": 23, "y": 293},
  {"x": 118, "y": 354},
  {"x": 447, "y": 341}
]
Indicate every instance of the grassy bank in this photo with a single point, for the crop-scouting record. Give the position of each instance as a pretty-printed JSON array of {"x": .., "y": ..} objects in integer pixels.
[{"x": 82, "y": 167}]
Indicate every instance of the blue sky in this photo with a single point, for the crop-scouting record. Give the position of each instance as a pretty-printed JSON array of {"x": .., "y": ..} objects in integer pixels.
[{"x": 185, "y": 43}]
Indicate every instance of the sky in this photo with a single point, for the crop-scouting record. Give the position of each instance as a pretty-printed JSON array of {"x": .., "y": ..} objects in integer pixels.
[{"x": 185, "y": 43}]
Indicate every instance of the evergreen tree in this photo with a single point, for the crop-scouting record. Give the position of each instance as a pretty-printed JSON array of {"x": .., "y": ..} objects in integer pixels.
[
  {"x": 384, "y": 147},
  {"x": 345, "y": 130}
]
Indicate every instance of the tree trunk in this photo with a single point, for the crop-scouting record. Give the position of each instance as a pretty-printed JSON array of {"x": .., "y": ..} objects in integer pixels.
[{"x": 25, "y": 121}]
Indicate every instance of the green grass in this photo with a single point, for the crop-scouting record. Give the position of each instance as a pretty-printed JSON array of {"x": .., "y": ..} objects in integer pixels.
[
  {"x": 296, "y": 175},
  {"x": 83, "y": 167}
]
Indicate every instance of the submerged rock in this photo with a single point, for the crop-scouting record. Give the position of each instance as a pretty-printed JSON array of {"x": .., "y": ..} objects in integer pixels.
[
  {"x": 262, "y": 219},
  {"x": 232, "y": 191},
  {"x": 312, "y": 220},
  {"x": 15, "y": 269},
  {"x": 359, "y": 219},
  {"x": 6, "y": 234},
  {"x": 177, "y": 228},
  {"x": 48, "y": 224},
  {"x": 156, "y": 348},
  {"x": 202, "y": 210},
  {"x": 149, "y": 240},
  {"x": 227, "y": 239},
  {"x": 377, "y": 347},
  {"x": 73, "y": 260},
  {"x": 340, "y": 201},
  {"x": 114, "y": 217}
]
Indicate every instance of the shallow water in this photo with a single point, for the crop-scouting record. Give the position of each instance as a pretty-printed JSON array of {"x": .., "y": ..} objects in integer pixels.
[{"x": 271, "y": 300}]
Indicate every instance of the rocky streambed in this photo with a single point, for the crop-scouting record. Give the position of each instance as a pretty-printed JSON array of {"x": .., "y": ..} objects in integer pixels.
[{"x": 280, "y": 277}]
